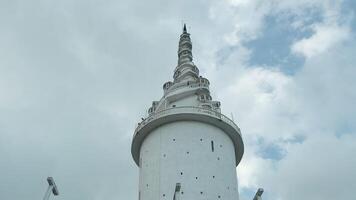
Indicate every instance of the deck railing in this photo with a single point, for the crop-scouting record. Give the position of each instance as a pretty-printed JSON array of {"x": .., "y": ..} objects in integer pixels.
[
  {"x": 186, "y": 109},
  {"x": 192, "y": 85}
]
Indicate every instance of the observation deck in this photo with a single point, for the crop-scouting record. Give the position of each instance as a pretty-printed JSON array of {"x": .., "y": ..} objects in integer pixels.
[{"x": 187, "y": 113}]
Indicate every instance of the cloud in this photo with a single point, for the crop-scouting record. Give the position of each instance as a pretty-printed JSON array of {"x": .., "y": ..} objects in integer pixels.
[
  {"x": 324, "y": 38},
  {"x": 308, "y": 115},
  {"x": 314, "y": 169},
  {"x": 246, "y": 17},
  {"x": 309, "y": 165},
  {"x": 314, "y": 105}
]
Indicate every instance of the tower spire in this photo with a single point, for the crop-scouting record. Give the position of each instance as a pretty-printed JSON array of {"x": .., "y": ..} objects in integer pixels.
[
  {"x": 185, "y": 47},
  {"x": 185, "y": 67}
]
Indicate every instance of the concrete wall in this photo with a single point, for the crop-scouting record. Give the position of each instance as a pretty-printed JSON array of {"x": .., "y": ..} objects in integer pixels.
[
  {"x": 186, "y": 101},
  {"x": 181, "y": 152}
]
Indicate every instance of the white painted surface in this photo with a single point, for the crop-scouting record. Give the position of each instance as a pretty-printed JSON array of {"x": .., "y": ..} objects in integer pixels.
[
  {"x": 173, "y": 144},
  {"x": 185, "y": 147}
]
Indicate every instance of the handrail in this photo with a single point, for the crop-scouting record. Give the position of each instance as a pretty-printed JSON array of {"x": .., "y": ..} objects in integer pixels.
[
  {"x": 186, "y": 109},
  {"x": 258, "y": 194},
  {"x": 192, "y": 85}
]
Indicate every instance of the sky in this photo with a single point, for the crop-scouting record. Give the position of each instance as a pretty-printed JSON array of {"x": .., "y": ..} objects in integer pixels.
[{"x": 77, "y": 76}]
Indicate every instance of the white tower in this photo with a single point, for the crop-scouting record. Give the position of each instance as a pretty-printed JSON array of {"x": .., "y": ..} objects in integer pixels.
[{"x": 186, "y": 149}]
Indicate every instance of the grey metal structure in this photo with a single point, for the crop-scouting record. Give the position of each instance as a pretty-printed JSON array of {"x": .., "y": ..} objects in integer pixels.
[
  {"x": 258, "y": 195},
  {"x": 186, "y": 148},
  {"x": 177, "y": 192},
  {"x": 52, "y": 188}
]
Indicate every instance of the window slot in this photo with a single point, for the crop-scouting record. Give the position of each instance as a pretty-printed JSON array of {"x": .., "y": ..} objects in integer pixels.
[{"x": 212, "y": 146}]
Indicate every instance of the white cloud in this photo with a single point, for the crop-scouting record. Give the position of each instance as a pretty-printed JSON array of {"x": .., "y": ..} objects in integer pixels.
[
  {"x": 324, "y": 38},
  {"x": 318, "y": 103},
  {"x": 246, "y": 18},
  {"x": 320, "y": 168},
  {"x": 261, "y": 96}
]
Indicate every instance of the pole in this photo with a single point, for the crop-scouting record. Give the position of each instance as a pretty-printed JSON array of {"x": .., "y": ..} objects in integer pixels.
[
  {"x": 52, "y": 188},
  {"x": 48, "y": 192},
  {"x": 177, "y": 192},
  {"x": 258, "y": 194}
]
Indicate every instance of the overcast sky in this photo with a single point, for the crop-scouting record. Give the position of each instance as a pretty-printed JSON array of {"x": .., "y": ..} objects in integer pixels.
[{"x": 76, "y": 77}]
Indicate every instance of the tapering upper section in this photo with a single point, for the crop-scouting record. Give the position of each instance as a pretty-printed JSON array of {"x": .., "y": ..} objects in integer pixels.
[
  {"x": 187, "y": 97},
  {"x": 185, "y": 47},
  {"x": 188, "y": 88},
  {"x": 185, "y": 68}
]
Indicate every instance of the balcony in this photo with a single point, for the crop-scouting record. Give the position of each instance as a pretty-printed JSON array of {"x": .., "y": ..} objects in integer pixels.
[
  {"x": 187, "y": 109},
  {"x": 190, "y": 86},
  {"x": 190, "y": 113}
]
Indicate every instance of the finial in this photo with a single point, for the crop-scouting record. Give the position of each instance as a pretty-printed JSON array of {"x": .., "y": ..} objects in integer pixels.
[{"x": 184, "y": 28}]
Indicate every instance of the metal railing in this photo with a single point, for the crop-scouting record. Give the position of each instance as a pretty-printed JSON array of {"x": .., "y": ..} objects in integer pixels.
[
  {"x": 192, "y": 85},
  {"x": 258, "y": 195},
  {"x": 186, "y": 109}
]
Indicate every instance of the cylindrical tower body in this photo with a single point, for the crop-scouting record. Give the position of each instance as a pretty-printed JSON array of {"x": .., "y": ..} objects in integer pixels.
[
  {"x": 185, "y": 148},
  {"x": 199, "y": 156}
]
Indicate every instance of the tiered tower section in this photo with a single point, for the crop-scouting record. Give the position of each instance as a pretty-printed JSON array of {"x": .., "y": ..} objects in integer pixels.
[{"x": 186, "y": 149}]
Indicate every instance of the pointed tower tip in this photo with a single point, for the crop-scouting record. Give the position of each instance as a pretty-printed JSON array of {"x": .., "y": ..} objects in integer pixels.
[{"x": 184, "y": 28}]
